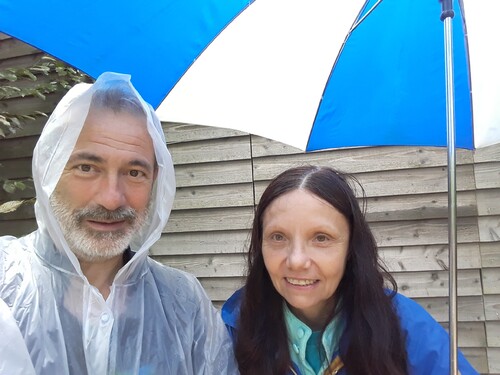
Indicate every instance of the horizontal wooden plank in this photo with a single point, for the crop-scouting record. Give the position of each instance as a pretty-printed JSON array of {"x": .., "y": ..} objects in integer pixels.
[
  {"x": 477, "y": 358},
  {"x": 470, "y": 334},
  {"x": 435, "y": 283},
  {"x": 212, "y": 265},
  {"x": 429, "y": 257},
  {"x": 412, "y": 284},
  {"x": 234, "y": 148},
  {"x": 14, "y": 148},
  {"x": 470, "y": 308},
  {"x": 421, "y": 206},
  {"x": 487, "y": 175},
  {"x": 223, "y": 265},
  {"x": 492, "y": 306},
  {"x": 405, "y": 182},
  {"x": 220, "y": 265},
  {"x": 423, "y": 232},
  {"x": 267, "y": 147},
  {"x": 489, "y": 228},
  {"x": 490, "y": 254},
  {"x": 177, "y": 133},
  {"x": 494, "y": 360},
  {"x": 411, "y": 258},
  {"x": 488, "y": 202},
  {"x": 213, "y": 242},
  {"x": 411, "y": 207},
  {"x": 22, "y": 61},
  {"x": 221, "y": 288},
  {"x": 214, "y": 196},
  {"x": 228, "y": 172},
  {"x": 210, "y": 219},
  {"x": 360, "y": 160},
  {"x": 28, "y": 192},
  {"x": 41, "y": 81},
  {"x": 493, "y": 333},
  {"x": 414, "y": 181},
  {"x": 218, "y": 304},
  {"x": 387, "y": 234},
  {"x": 485, "y": 154},
  {"x": 12, "y": 47},
  {"x": 491, "y": 280},
  {"x": 17, "y": 228},
  {"x": 29, "y": 104},
  {"x": 25, "y": 211},
  {"x": 417, "y": 156},
  {"x": 15, "y": 168},
  {"x": 28, "y": 128}
]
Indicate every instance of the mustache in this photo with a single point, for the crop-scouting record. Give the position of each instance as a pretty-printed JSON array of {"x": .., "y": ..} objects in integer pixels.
[{"x": 100, "y": 213}]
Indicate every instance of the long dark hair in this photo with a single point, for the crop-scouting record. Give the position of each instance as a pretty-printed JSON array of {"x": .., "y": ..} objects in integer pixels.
[{"x": 372, "y": 342}]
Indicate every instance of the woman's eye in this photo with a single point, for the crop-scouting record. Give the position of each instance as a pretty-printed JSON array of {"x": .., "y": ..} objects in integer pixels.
[
  {"x": 321, "y": 238},
  {"x": 277, "y": 237}
]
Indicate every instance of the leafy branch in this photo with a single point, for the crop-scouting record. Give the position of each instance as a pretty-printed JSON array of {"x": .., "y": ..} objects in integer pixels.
[
  {"x": 21, "y": 82},
  {"x": 62, "y": 78}
]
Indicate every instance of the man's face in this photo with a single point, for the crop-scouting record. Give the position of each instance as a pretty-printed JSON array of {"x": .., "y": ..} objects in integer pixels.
[{"x": 102, "y": 197}]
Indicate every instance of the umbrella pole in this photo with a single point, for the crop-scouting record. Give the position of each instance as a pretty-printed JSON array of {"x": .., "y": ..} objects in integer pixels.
[{"x": 447, "y": 16}]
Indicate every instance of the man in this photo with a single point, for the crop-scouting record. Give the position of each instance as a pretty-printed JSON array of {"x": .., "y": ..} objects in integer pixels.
[{"x": 85, "y": 295}]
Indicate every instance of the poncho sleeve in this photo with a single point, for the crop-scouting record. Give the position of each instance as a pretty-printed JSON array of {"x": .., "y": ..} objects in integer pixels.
[{"x": 14, "y": 357}]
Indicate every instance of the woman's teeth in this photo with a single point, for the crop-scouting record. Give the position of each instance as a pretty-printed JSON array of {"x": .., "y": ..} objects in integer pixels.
[{"x": 300, "y": 282}]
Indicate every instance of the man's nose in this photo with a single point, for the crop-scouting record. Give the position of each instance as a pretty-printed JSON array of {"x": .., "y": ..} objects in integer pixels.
[
  {"x": 298, "y": 256},
  {"x": 111, "y": 194}
]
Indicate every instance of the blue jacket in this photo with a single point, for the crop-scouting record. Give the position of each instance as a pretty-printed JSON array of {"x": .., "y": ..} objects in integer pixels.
[{"x": 427, "y": 342}]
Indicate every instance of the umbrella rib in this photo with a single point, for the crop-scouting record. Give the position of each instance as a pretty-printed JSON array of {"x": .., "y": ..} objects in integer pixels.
[{"x": 366, "y": 15}]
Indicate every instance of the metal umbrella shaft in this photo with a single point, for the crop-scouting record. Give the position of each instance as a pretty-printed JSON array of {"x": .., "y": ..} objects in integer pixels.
[{"x": 447, "y": 16}]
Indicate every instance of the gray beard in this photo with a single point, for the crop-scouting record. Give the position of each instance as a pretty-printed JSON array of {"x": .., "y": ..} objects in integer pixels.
[{"x": 90, "y": 245}]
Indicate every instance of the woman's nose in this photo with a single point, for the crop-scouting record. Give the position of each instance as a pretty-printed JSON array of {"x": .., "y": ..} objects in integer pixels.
[{"x": 298, "y": 257}]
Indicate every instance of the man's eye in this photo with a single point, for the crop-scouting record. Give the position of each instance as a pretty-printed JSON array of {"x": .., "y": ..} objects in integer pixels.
[
  {"x": 85, "y": 168},
  {"x": 136, "y": 173}
]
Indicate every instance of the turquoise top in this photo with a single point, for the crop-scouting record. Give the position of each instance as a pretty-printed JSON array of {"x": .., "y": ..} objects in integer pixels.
[{"x": 304, "y": 346}]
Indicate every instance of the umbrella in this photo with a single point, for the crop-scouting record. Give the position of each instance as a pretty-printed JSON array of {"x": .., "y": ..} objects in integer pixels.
[
  {"x": 314, "y": 74},
  {"x": 275, "y": 67}
]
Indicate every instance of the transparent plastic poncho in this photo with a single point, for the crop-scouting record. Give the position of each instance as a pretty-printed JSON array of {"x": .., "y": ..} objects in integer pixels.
[{"x": 156, "y": 320}]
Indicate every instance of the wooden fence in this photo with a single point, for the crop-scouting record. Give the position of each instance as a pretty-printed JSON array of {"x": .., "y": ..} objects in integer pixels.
[{"x": 221, "y": 173}]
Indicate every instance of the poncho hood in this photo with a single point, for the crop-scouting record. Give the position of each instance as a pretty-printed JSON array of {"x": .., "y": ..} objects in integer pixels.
[{"x": 52, "y": 152}]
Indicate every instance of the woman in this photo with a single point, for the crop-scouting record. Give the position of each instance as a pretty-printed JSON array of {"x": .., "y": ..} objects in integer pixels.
[{"x": 315, "y": 300}]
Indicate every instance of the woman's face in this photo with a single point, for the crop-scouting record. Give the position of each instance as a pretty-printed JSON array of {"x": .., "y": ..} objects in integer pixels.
[{"x": 305, "y": 244}]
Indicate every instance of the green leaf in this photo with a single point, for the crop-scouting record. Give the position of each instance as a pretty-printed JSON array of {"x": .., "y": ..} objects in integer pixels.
[
  {"x": 10, "y": 206},
  {"x": 9, "y": 186},
  {"x": 28, "y": 74},
  {"x": 28, "y": 117},
  {"x": 9, "y": 76},
  {"x": 20, "y": 185},
  {"x": 3, "y": 121},
  {"x": 16, "y": 121},
  {"x": 39, "y": 94}
]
